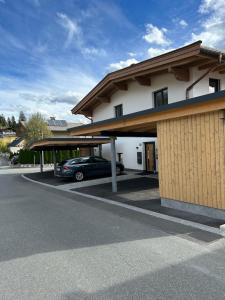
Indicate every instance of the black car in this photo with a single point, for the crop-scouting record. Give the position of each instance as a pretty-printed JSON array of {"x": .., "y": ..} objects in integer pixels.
[{"x": 81, "y": 167}]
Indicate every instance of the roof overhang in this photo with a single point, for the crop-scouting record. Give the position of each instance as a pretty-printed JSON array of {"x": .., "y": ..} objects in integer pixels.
[
  {"x": 177, "y": 62},
  {"x": 49, "y": 144},
  {"x": 144, "y": 123}
]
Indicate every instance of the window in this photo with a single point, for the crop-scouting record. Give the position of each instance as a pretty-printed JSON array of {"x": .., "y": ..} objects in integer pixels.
[
  {"x": 118, "y": 110},
  {"x": 99, "y": 160},
  {"x": 161, "y": 97},
  {"x": 214, "y": 85}
]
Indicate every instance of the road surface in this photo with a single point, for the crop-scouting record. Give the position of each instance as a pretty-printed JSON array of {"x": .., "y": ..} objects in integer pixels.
[{"x": 55, "y": 245}]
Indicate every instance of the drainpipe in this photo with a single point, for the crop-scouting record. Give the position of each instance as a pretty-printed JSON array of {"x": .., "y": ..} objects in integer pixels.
[{"x": 188, "y": 89}]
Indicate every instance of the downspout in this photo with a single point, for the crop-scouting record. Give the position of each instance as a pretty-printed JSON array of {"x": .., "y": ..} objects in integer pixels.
[{"x": 188, "y": 89}]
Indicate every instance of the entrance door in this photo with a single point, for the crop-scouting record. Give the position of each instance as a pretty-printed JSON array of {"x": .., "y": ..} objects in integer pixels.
[{"x": 150, "y": 156}]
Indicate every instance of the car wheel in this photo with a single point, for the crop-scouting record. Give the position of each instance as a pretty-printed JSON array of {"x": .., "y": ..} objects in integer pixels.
[
  {"x": 79, "y": 176},
  {"x": 118, "y": 171}
]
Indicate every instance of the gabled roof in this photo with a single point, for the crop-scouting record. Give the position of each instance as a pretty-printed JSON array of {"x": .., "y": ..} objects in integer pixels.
[
  {"x": 16, "y": 142},
  {"x": 177, "y": 62}
]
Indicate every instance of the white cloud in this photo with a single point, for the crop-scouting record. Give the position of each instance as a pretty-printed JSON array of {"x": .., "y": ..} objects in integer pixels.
[
  {"x": 122, "y": 64},
  {"x": 213, "y": 23},
  {"x": 92, "y": 51},
  {"x": 132, "y": 54},
  {"x": 75, "y": 33},
  {"x": 183, "y": 23},
  {"x": 71, "y": 28},
  {"x": 155, "y": 35},
  {"x": 152, "y": 52},
  {"x": 59, "y": 89}
]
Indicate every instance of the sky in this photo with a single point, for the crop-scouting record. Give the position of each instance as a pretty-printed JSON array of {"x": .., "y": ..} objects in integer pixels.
[{"x": 53, "y": 52}]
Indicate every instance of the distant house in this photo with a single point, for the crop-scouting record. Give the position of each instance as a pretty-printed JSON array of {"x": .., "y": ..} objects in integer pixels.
[
  {"x": 16, "y": 145},
  {"x": 59, "y": 128},
  {"x": 7, "y": 136}
]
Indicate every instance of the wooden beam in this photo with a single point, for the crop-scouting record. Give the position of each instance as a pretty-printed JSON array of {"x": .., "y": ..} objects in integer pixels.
[
  {"x": 121, "y": 85},
  {"x": 103, "y": 99},
  {"x": 208, "y": 65},
  {"x": 180, "y": 73},
  {"x": 222, "y": 72},
  {"x": 220, "y": 67},
  {"x": 143, "y": 80},
  {"x": 86, "y": 113},
  {"x": 128, "y": 134}
]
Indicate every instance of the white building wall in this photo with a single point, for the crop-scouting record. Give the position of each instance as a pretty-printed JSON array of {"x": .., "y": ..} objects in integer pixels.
[
  {"x": 128, "y": 146},
  {"x": 138, "y": 98}
]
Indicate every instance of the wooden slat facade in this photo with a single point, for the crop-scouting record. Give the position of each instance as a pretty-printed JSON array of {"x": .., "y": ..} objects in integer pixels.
[{"x": 191, "y": 153}]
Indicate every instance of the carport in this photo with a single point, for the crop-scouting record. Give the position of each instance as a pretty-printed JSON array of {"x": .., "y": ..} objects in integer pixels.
[
  {"x": 191, "y": 147},
  {"x": 53, "y": 144}
]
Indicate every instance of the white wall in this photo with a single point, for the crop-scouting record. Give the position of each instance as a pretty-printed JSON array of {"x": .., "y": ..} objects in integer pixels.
[
  {"x": 202, "y": 87},
  {"x": 128, "y": 146},
  {"x": 138, "y": 98}
]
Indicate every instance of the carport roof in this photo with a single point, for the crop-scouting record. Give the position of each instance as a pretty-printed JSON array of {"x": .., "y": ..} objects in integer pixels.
[
  {"x": 70, "y": 143},
  {"x": 144, "y": 123}
]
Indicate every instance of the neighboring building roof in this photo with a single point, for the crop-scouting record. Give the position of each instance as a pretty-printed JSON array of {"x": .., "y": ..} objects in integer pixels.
[
  {"x": 16, "y": 142},
  {"x": 5, "y": 133},
  {"x": 177, "y": 62},
  {"x": 53, "y": 125},
  {"x": 60, "y": 125}
]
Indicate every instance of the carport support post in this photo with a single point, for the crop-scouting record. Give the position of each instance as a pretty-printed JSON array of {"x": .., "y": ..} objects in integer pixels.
[
  {"x": 100, "y": 150},
  {"x": 54, "y": 160},
  {"x": 41, "y": 162},
  {"x": 113, "y": 164}
]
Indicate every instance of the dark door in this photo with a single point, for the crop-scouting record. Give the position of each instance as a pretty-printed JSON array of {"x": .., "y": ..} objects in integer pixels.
[{"x": 150, "y": 156}]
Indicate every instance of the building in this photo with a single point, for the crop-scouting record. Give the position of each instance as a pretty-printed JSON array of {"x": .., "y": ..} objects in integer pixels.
[
  {"x": 7, "y": 136},
  {"x": 176, "y": 100},
  {"x": 16, "y": 145},
  {"x": 161, "y": 80},
  {"x": 59, "y": 128}
]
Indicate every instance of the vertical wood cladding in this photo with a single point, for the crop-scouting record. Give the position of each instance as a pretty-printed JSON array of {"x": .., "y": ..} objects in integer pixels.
[{"x": 192, "y": 159}]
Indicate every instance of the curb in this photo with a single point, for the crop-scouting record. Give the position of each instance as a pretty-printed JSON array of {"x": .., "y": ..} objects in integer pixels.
[{"x": 137, "y": 209}]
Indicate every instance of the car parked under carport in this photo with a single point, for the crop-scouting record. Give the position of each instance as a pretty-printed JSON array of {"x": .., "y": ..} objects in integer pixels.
[{"x": 82, "y": 167}]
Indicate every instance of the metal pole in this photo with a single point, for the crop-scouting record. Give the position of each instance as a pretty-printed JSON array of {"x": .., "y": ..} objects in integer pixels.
[
  {"x": 100, "y": 150},
  {"x": 42, "y": 159},
  {"x": 113, "y": 164},
  {"x": 54, "y": 160},
  {"x": 41, "y": 162}
]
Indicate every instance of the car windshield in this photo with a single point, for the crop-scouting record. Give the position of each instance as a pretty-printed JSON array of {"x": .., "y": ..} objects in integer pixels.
[{"x": 78, "y": 160}]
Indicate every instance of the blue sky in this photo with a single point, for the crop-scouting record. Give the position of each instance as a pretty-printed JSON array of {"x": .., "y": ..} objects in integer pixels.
[{"x": 52, "y": 52}]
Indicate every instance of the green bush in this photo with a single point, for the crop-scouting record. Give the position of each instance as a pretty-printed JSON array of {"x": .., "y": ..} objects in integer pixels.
[{"x": 28, "y": 156}]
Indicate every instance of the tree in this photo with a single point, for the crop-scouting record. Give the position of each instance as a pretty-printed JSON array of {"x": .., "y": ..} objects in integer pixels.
[
  {"x": 9, "y": 123},
  {"x": 22, "y": 116},
  {"x": 13, "y": 123},
  {"x": 3, "y": 122},
  {"x": 36, "y": 129}
]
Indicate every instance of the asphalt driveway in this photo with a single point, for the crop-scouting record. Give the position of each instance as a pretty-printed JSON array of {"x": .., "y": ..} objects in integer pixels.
[{"x": 56, "y": 245}]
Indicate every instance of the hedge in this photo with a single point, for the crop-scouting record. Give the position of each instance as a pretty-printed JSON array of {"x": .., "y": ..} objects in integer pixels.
[{"x": 31, "y": 157}]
